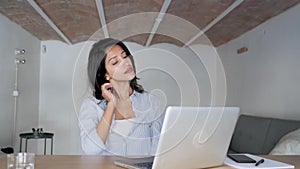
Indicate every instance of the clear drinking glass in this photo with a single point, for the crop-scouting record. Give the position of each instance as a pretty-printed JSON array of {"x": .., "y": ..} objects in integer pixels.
[{"x": 20, "y": 161}]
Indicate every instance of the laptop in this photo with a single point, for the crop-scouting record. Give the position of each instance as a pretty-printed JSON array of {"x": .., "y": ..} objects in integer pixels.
[{"x": 191, "y": 137}]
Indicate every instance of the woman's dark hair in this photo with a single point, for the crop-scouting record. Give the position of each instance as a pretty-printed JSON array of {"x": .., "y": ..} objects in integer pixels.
[{"x": 96, "y": 66}]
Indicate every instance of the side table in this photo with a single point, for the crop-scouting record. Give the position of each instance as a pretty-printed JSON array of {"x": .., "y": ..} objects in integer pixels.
[{"x": 28, "y": 136}]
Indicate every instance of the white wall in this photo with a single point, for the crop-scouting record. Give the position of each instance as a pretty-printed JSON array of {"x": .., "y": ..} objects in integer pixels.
[
  {"x": 12, "y": 37},
  {"x": 174, "y": 74},
  {"x": 265, "y": 80},
  {"x": 57, "y": 114}
]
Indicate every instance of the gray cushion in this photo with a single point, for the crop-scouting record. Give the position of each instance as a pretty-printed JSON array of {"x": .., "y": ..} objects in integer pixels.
[
  {"x": 258, "y": 135},
  {"x": 249, "y": 134},
  {"x": 278, "y": 129}
]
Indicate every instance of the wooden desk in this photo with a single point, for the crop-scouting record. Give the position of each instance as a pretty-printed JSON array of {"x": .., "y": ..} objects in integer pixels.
[{"x": 105, "y": 162}]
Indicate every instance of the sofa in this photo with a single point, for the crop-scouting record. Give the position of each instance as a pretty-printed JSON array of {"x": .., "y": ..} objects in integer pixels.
[{"x": 259, "y": 135}]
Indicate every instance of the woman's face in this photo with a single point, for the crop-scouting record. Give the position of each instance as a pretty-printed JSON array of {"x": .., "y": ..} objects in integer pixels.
[{"x": 118, "y": 65}]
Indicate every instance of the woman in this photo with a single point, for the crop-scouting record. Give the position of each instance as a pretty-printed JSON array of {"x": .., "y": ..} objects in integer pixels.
[{"x": 121, "y": 118}]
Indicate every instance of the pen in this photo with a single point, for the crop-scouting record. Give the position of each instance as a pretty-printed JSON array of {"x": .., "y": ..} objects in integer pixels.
[{"x": 259, "y": 162}]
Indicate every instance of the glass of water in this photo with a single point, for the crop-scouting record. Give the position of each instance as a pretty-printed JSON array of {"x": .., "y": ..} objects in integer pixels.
[{"x": 20, "y": 161}]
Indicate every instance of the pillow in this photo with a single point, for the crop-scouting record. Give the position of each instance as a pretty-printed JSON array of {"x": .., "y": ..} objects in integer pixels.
[{"x": 288, "y": 144}]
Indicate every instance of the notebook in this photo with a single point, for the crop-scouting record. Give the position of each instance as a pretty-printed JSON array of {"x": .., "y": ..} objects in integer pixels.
[
  {"x": 266, "y": 164},
  {"x": 191, "y": 137}
]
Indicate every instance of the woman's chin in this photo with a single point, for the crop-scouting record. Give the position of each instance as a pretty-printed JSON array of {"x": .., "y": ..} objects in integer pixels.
[
  {"x": 131, "y": 76},
  {"x": 128, "y": 78}
]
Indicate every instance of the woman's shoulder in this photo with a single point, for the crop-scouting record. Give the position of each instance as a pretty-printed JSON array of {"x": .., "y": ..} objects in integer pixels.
[
  {"x": 150, "y": 102},
  {"x": 91, "y": 100},
  {"x": 142, "y": 94},
  {"x": 145, "y": 95},
  {"x": 147, "y": 98},
  {"x": 92, "y": 104}
]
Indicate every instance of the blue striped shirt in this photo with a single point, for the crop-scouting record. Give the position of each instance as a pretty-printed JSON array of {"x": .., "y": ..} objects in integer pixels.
[{"x": 142, "y": 136}]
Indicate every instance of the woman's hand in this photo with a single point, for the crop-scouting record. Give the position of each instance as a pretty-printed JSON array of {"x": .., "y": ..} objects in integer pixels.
[
  {"x": 122, "y": 104},
  {"x": 107, "y": 92}
]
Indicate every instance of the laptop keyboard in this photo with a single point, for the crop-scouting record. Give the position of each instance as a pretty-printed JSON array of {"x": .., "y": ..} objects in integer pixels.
[{"x": 147, "y": 165}]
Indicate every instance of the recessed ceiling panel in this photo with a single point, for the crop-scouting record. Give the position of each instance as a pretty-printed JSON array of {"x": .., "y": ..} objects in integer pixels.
[
  {"x": 245, "y": 17},
  {"x": 77, "y": 19},
  {"x": 158, "y": 38},
  {"x": 130, "y": 18},
  {"x": 24, "y": 15},
  {"x": 115, "y": 9},
  {"x": 139, "y": 38},
  {"x": 131, "y": 25},
  {"x": 198, "y": 12}
]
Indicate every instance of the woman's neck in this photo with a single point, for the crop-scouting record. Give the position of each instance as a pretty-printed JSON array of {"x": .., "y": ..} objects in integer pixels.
[{"x": 122, "y": 89}]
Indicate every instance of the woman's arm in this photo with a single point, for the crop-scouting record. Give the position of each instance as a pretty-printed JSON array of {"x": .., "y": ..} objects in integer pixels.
[
  {"x": 88, "y": 119},
  {"x": 104, "y": 124}
]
